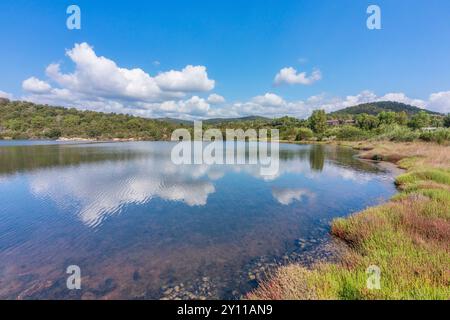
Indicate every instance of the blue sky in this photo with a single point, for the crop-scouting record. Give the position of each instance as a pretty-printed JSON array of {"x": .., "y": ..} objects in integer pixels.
[{"x": 235, "y": 48}]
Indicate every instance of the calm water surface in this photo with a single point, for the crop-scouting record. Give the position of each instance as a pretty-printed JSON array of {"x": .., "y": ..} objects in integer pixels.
[{"x": 140, "y": 227}]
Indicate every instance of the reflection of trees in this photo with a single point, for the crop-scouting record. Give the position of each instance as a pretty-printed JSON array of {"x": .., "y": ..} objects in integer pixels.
[
  {"x": 301, "y": 154},
  {"x": 317, "y": 157},
  {"x": 28, "y": 158},
  {"x": 346, "y": 157},
  {"x": 316, "y": 154}
]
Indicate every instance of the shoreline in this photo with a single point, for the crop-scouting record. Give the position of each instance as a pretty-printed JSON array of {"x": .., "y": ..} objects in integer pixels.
[{"x": 422, "y": 203}]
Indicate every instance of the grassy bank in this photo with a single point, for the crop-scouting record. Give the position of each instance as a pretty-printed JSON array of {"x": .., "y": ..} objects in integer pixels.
[{"x": 408, "y": 238}]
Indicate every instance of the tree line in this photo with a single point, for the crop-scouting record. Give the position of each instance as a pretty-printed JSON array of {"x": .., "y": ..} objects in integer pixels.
[{"x": 26, "y": 120}]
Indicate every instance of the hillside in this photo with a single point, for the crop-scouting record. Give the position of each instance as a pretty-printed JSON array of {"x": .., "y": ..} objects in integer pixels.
[
  {"x": 375, "y": 108},
  {"x": 26, "y": 120}
]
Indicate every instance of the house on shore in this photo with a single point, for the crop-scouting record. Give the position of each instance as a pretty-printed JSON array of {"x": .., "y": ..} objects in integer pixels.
[{"x": 338, "y": 122}]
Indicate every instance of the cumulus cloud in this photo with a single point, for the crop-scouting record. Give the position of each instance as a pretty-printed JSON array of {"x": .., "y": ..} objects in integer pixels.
[
  {"x": 6, "y": 95},
  {"x": 272, "y": 105},
  {"x": 215, "y": 99},
  {"x": 191, "y": 78},
  {"x": 401, "y": 97},
  {"x": 269, "y": 99},
  {"x": 100, "y": 75},
  {"x": 35, "y": 85},
  {"x": 98, "y": 83},
  {"x": 193, "y": 106},
  {"x": 290, "y": 76},
  {"x": 440, "y": 102}
]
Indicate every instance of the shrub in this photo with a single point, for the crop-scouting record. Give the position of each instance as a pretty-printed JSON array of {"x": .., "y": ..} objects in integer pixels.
[
  {"x": 332, "y": 132},
  {"x": 367, "y": 121},
  {"x": 420, "y": 120},
  {"x": 304, "y": 134},
  {"x": 446, "y": 121},
  {"x": 351, "y": 133},
  {"x": 396, "y": 133},
  {"x": 439, "y": 136}
]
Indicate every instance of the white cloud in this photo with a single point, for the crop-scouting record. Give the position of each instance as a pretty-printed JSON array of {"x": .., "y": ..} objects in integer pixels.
[
  {"x": 272, "y": 105},
  {"x": 290, "y": 76},
  {"x": 440, "y": 102},
  {"x": 6, "y": 95},
  {"x": 191, "y": 78},
  {"x": 215, "y": 99},
  {"x": 101, "y": 76},
  {"x": 193, "y": 106},
  {"x": 98, "y": 83},
  {"x": 401, "y": 97},
  {"x": 269, "y": 99},
  {"x": 35, "y": 85}
]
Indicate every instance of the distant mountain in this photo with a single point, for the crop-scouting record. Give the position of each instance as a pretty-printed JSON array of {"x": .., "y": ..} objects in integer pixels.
[
  {"x": 242, "y": 119},
  {"x": 175, "y": 121},
  {"x": 375, "y": 108},
  {"x": 215, "y": 120}
]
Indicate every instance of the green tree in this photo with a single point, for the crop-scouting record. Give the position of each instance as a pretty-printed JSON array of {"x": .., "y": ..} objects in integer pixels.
[
  {"x": 38, "y": 122},
  {"x": 318, "y": 121},
  {"x": 387, "y": 117},
  {"x": 14, "y": 124},
  {"x": 447, "y": 121},
  {"x": 437, "y": 121},
  {"x": 420, "y": 120},
  {"x": 401, "y": 118},
  {"x": 366, "y": 121},
  {"x": 52, "y": 133},
  {"x": 71, "y": 121},
  {"x": 304, "y": 134},
  {"x": 134, "y": 124}
]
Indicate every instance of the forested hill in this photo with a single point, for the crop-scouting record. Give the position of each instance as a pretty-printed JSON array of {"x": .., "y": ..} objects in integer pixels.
[
  {"x": 25, "y": 120},
  {"x": 375, "y": 108}
]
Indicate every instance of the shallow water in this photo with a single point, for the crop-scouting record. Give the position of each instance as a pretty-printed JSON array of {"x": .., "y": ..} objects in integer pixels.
[{"x": 140, "y": 227}]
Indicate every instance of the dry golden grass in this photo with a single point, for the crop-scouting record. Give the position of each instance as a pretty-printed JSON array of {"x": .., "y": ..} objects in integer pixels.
[{"x": 423, "y": 153}]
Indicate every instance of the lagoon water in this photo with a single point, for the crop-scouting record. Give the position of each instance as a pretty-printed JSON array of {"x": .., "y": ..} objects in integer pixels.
[{"x": 141, "y": 227}]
